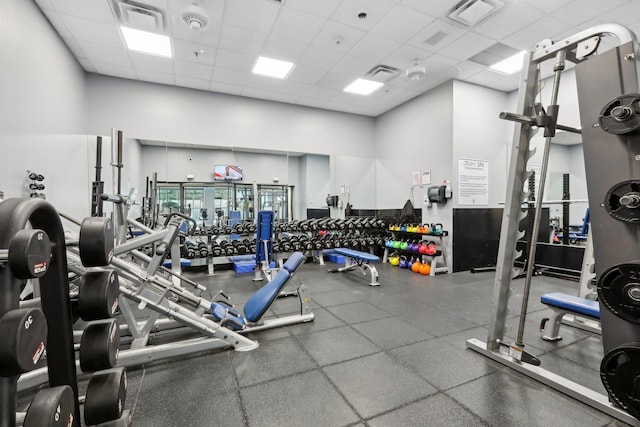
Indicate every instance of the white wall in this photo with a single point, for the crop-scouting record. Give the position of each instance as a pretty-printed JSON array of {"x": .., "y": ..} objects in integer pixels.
[
  {"x": 315, "y": 176},
  {"x": 166, "y": 113},
  {"x": 41, "y": 113}
]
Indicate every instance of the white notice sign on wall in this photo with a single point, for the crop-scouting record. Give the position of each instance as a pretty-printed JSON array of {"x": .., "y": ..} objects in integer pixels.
[{"x": 473, "y": 182}]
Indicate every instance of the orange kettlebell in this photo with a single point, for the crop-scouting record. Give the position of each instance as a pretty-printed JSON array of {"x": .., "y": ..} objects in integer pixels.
[
  {"x": 425, "y": 269},
  {"x": 416, "y": 266}
]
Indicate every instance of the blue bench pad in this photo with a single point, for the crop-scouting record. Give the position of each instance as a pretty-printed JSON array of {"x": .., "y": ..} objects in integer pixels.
[
  {"x": 219, "y": 312},
  {"x": 183, "y": 263},
  {"x": 572, "y": 303},
  {"x": 364, "y": 256},
  {"x": 295, "y": 260},
  {"x": 264, "y": 297}
]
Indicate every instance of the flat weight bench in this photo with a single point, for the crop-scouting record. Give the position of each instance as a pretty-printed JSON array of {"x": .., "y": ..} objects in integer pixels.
[
  {"x": 563, "y": 304},
  {"x": 260, "y": 302},
  {"x": 360, "y": 260}
]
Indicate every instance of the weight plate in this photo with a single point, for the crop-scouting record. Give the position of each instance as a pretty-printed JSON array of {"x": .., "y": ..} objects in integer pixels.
[
  {"x": 619, "y": 291},
  {"x": 623, "y": 201},
  {"x": 621, "y": 116},
  {"x": 106, "y": 396},
  {"x": 51, "y": 407},
  {"x": 99, "y": 346},
  {"x": 98, "y": 295},
  {"x": 620, "y": 374},
  {"x": 23, "y": 333},
  {"x": 29, "y": 254},
  {"x": 96, "y": 241}
]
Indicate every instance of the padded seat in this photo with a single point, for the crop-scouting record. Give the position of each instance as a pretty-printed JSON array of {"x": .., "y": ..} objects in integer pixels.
[
  {"x": 183, "y": 263},
  {"x": 572, "y": 303},
  {"x": 295, "y": 260},
  {"x": 364, "y": 256}
]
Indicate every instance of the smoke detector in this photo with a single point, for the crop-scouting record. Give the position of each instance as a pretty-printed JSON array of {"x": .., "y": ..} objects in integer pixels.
[
  {"x": 195, "y": 17},
  {"x": 416, "y": 72}
]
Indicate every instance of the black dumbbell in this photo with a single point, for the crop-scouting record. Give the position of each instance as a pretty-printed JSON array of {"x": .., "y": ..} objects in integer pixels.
[
  {"x": 29, "y": 254},
  {"x": 106, "y": 396},
  {"x": 203, "y": 249},
  {"x": 96, "y": 241},
  {"x": 36, "y": 177},
  {"x": 216, "y": 250},
  {"x": 99, "y": 345},
  {"x": 23, "y": 334},
  {"x": 98, "y": 295},
  {"x": 53, "y": 406},
  {"x": 35, "y": 186}
]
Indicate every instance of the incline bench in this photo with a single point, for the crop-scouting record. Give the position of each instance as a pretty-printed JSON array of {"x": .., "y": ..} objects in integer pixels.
[
  {"x": 563, "y": 304},
  {"x": 360, "y": 260}
]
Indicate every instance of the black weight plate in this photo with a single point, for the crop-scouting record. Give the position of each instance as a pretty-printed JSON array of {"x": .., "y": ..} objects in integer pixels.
[
  {"x": 106, "y": 396},
  {"x": 621, "y": 115},
  {"x": 23, "y": 333},
  {"x": 123, "y": 421},
  {"x": 96, "y": 241},
  {"x": 98, "y": 295},
  {"x": 99, "y": 346},
  {"x": 619, "y": 291},
  {"x": 51, "y": 407},
  {"x": 29, "y": 254},
  {"x": 620, "y": 375},
  {"x": 621, "y": 211}
]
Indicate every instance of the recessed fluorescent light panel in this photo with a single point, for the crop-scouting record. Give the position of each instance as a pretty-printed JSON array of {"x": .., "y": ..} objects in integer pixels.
[
  {"x": 509, "y": 65},
  {"x": 272, "y": 67},
  {"x": 363, "y": 87},
  {"x": 146, "y": 42}
]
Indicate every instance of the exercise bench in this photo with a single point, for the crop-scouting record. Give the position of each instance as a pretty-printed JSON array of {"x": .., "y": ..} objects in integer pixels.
[
  {"x": 563, "y": 304},
  {"x": 259, "y": 303},
  {"x": 360, "y": 260}
]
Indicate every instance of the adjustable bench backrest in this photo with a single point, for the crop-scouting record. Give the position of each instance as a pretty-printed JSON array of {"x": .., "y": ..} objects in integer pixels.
[
  {"x": 259, "y": 302},
  {"x": 295, "y": 260}
]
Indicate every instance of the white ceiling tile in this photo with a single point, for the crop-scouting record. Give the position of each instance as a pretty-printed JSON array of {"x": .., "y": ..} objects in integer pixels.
[
  {"x": 405, "y": 56},
  {"x": 294, "y": 25},
  {"x": 156, "y": 77},
  {"x": 495, "y": 80},
  {"x": 234, "y": 77},
  {"x": 76, "y": 48},
  {"x": 266, "y": 83},
  {"x": 625, "y": 14},
  {"x": 151, "y": 62},
  {"x": 466, "y": 69},
  {"x": 435, "y": 64},
  {"x": 305, "y": 74},
  {"x": 347, "y": 12},
  {"x": 193, "y": 70},
  {"x": 450, "y": 33},
  {"x": 226, "y": 88},
  {"x": 87, "y": 65},
  {"x": 320, "y": 57},
  {"x": 580, "y": 11},
  {"x": 240, "y": 40},
  {"x": 547, "y": 27},
  {"x": 323, "y": 9},
  {"x": 546, "y": 6},
  {"x": 92, "y": 9},
  {"x": 45, "y": 4},
  {"x": 251, "y": 14},
  {"x": 58, "y": 24},
  {"x": 256, "y": 93},
  {"x": 209, "y": 36},
  {"x": 192, "y": 52},
  {"x": 235, "y": 61},
  {"x": 304, "y": 90},
  {"x": 84, "y": 29},
  {"x": 373, "y": 47},
  {"x": 512, "y": 17},
  {"x": 338, "y": 37},
  {"x": 281, "y": 97},
  {"x": 468, "y": 45},
  {"x": 335, "y": 81},
  {"x": 115, "y": 70},
  {"x": 103, "y": 53},
  {"x": 436, "y": 9},
  {"x": 283, "y": 49},
  {"x": 193, "y": 83},
  {"x": 353, "y": 67},
  {"x": 402, "y": 23}
]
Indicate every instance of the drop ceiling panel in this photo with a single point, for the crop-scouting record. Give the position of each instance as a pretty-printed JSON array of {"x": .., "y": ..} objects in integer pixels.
[
  {"x": 115, "y": 70},
  {"x": 226, "y": 75},
  {"x": 324, "y": 8},
  {"x": 256, "y": 93},
  {"x": 347, "y": 12},
  {"x": 468, "y": 45},
  {"x": 240, "y": 40},
  {"x": 151, "y": 62},
  {"x": 511, "y": 18},
  {"x": 283, "y": 49},
  {"x": 193, "y": 70},
  {"x": 546, "y": 27},
  {"x": 45, "y": 4},
  {"x": 104, "y": 53},
  {"x": 58, "y": 24},
  {"x": 156, "y": 77},
  {"x": 627, "y": 14},
  {"x": 295, "y": 25},
  {"x": 437, "y": 9},
  {"x": 192, "y": 83},
  {"x": 198, "y": 53},
  {"x": 452, "y": 32},
  {"x": 225, "y": 88},
  {"x": 252, "y": 14},
  {"x": 304, "y": 74},
  {"x": 579, "y": 11},
  {"x": 335, "y": 81},
  {"x": 320, "y": 57},
  {"x": 92, "y": 31},
  {"x": 373, "y": 47},
  {"x": 352, "y": 66},
  {"x": 93, "y": 10},
  {"x": 337, "y": 37},
  {"x": 234, "y": 60},
  {"x": 546, "y": 6},
  {"x": 401, "y": 23},
  {"x": 405, "y": 56},
  {"x": 209, "y": 36},
  {"x": 466, "y": 69},
  {"x": 76, "y": 48}
]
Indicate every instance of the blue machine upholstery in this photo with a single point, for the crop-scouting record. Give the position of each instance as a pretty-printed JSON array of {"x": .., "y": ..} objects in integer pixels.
[
  {"x": 572, "y": 303},
  {"x": 295, "y": 260},
  {"x": 227, "y": 316},
  {"x": 264, "y": 297},
  {"x": 364, "y": 256},
  {"x": 183, "y": 263}
]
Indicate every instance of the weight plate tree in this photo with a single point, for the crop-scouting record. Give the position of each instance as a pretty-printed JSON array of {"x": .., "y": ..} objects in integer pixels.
[
  {"x": 15, "y": 215},
  {"x": 608, "y": 87}
]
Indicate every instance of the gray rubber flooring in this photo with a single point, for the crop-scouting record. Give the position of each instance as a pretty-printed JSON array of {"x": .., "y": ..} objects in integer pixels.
[{"x": 393, "y": 355}]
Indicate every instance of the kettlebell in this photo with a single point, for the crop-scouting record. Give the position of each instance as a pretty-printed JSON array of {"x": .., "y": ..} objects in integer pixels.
[
  {"x": 424, "y": 229},
  {"x": 388, "y": 243},
  {"x": 394, "y": 259},
  {"x": 416, "y": 266},
  {"x": 422, "y": 248},
  {"x": 404, "y": 245},
  {"x": 413, "y": 246},
  {"x": 425, "y": 269},
  {"x": 403, "y": 228},
  {"x": 403, "y": 262},
  {"x": 410, "y": 264},
  {"x": 436, "y": 229},
  {"x": 396, "y": 244},
  {"x": 431, "y": 248},
  {"x": 412, "y": 228}
]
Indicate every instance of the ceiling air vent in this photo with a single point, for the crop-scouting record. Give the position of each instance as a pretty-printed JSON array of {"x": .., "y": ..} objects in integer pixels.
[
  {"x": 436, "y": 38},
  {"x": 472, "y": 12},
  {"x": 382, "y": 73},
  {"x": 138, "y": 15}
]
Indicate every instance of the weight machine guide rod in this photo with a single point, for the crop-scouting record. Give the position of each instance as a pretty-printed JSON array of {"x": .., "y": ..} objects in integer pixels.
[{"x": 555, "y": 381}]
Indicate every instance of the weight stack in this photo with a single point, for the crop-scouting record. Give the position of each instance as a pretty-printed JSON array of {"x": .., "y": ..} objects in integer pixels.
[{"x": 610, "y": 125}]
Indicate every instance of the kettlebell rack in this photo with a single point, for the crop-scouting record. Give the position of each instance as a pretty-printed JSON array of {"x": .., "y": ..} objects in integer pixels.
[{"x": 427, "y": 235}]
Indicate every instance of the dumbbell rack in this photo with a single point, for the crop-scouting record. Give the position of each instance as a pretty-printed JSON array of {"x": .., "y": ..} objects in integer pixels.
[
  {"x": 15, "y": 214},
  {"x": 439, "y": 262}
]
